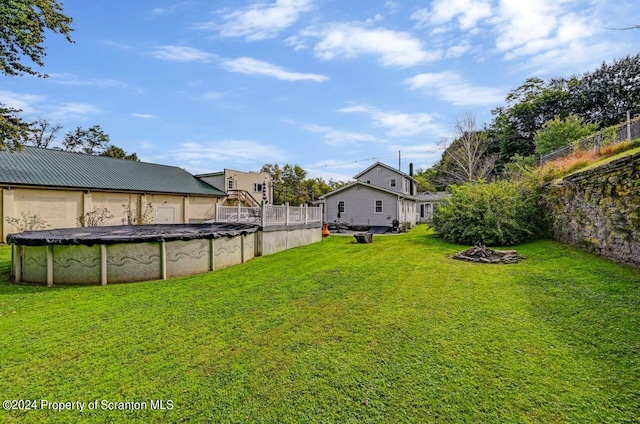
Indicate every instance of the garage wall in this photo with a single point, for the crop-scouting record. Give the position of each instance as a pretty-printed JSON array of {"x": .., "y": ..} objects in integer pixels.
[{"x": 61, "y": 208}]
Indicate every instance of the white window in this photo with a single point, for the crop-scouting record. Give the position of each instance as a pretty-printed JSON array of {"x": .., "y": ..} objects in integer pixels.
[
  {"x": 257, "y": 187},
  {"x": 378, "y": 206},
  {"x": 378, "y": 170},
  {"x": 393, "y": 182},
  {"x": 341, "y": 206},
  {"x": 230, "y": 184}
]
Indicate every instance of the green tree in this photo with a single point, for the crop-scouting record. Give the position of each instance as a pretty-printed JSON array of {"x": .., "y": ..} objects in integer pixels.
[
  {"x": 22, "y": 33},
  {"x": 118, "y": 153},
  {"x": 557, "y": 133},
  {"x": 316, "y": 187},
  {"x": 290, "y": 184},
  {"x": 13, "y": 130},
  {"x": 496, "y": 214},
  {"x": 528, "y": 107},
  {"x": 607, "y": 93},
  {"x": 90, "y": 141},
  {"x": 426, "y": 179},
  {"x": 23, "y": 24}
]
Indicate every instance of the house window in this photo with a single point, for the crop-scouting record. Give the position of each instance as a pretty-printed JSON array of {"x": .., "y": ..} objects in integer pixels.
[
  {"x": 230, "y": 184},
  {"x": 378, "y": 207},
  {"x": 393, "y": 182},
  {"x": 378, "y": 170},
  {"x": 257, "y": 187},
  {"x": 341, "y": 206}
]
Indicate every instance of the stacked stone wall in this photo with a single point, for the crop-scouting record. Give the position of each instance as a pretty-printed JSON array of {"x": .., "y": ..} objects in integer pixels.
[{"x": 599, "y": 209}]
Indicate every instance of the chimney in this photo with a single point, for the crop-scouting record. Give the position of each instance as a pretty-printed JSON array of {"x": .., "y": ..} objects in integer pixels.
[{"x": 411, "y": 185}]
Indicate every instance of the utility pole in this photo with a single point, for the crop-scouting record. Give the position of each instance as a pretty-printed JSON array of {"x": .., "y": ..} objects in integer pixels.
[{"x": 399, "y": 161}]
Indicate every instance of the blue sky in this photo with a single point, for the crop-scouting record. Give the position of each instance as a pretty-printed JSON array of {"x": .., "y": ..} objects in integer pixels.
[{"x": 331, "y": 85}]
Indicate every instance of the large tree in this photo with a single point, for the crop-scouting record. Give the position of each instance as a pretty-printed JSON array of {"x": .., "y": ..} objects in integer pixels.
[
  {"x": 23, "y": 25},
  {"x": 600, "y": 97},
  {"x": 42, "y": 133},
  {"x": 118, "y": 153},
  {"x": 90, "y": 141},
  {"x": 291, "y": 185},
  {"x": 467, "y": 159}
]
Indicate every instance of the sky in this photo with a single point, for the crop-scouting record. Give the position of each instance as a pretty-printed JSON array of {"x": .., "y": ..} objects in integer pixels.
[{"x": 330, "y": 85}]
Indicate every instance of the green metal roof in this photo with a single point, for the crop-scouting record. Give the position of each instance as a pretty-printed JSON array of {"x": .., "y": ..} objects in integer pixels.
[{"x": 34, "y": 166}]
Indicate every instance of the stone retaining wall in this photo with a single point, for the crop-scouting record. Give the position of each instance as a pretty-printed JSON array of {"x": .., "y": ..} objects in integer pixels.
[{"x": 599, "y": 209}]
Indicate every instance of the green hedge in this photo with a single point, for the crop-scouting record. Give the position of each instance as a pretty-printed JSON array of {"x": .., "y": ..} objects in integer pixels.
[{"x": 494, "y": 214}]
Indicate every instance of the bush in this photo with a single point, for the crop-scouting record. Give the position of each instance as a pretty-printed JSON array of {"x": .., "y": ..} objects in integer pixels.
[
  {"x": 27, "y": 222},
  {"x": 95, "y": 218},
  {"x": 557, "y": 133},
  {"x": 496, "y": 214}
]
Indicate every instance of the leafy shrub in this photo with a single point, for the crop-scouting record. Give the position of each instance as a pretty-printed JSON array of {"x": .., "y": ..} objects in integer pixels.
[
  {"x": 496, "y": 214},
  {"x": 557, "y": 133}
]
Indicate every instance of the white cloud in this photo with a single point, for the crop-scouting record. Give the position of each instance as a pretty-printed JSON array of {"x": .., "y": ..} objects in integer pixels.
[
  {"x": 467, "y": 12},
  {"x": 453, "y": 88},
  {"x": 335, "y": 170},
  {"x": 73, "y": 111},
  {"x": 27, "y": 103},
  {"x": 247, "y": 65},
  {"x": 142, "y": 115},
  {"x": 37, "y": 106},
  {"x": 393, "y": 48},
  {"x": 182, "y": 54},
  {"x": 399, "y": 124},
  {"x": 115, "y": 44},
  {"x": 229, "y": 150},
  {"x": 260, "y": 20},
  {"x": 170, "y": 9},
  {"x": 338, "y": 137},
  {"x": 422, "y": 155},
  {"x": 69, "y": 79}
]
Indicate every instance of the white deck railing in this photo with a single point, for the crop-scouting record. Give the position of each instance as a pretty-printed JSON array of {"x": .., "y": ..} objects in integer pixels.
[{"x": 270, "y": 214}]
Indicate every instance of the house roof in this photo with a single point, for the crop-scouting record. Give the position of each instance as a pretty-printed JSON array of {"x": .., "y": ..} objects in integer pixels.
[
  {"x": 226, "y": 170},
  {"x": 431, "y": 196},
  {"x": 210, "y": 174},
  {"x": 349, "y": 186},
  {"x": 34, "y": 166},
  {"x": 384, "y": 165}
]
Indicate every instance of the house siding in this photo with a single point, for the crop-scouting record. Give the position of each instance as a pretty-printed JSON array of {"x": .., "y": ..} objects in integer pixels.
[
  {"x": 383, "y": 179},
  {"x": 241, "y": 181},
  {"x": 359, "y": 209}
]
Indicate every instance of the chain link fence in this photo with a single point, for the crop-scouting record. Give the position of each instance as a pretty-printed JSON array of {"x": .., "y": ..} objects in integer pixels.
[{"x": 628, "y": 130}]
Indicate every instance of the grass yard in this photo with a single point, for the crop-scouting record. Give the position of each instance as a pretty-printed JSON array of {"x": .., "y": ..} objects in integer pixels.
[{"x": 394, "y": 332}]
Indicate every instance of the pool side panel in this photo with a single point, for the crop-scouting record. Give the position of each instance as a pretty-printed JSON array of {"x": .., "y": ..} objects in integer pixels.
[
  {"x": 187, "y": 257},
  {"x": 76, "y": 264},
  {"x": 129, "y": 262}
]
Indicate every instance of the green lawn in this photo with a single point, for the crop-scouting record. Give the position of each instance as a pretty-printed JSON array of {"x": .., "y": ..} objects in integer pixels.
[{"x": 395, "y": 331}]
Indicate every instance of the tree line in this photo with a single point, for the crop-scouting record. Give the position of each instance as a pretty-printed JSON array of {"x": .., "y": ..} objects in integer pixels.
[
  {"x": 24, "y": 25},
  {"x": 539, "y": 116},
  {"x": 290, "y": 184}
]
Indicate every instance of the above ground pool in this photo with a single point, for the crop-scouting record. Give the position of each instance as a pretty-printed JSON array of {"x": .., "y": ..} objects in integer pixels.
[{"x": 122, "y": 254}]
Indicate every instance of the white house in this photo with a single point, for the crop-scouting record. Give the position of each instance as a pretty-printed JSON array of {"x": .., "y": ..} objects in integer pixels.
[
  {"x": 380, "y": 196},
  {"x": 425, "y": 203}
]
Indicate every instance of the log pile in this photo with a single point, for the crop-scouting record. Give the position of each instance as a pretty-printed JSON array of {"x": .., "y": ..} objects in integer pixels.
[{"x": 483, "y": 254}]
